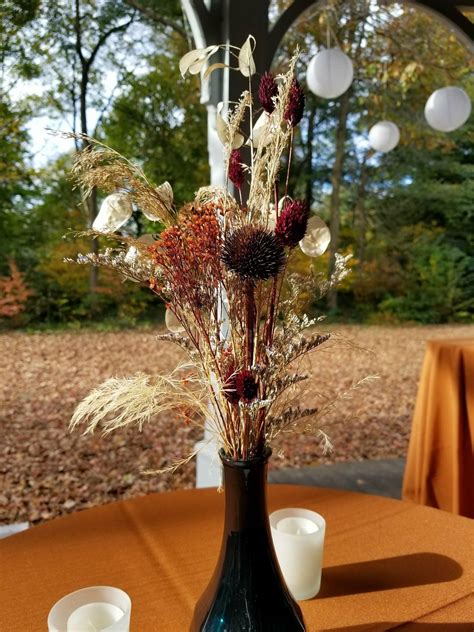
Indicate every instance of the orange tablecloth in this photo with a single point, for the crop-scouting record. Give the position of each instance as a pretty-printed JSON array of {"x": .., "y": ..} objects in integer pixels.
[
  {"x": 440, "y": 464},
  {"x": 386, "y": 563}
]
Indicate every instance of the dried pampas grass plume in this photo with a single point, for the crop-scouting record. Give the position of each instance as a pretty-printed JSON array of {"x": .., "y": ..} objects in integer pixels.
[
  {"x": 120, "y": 402},
  {"x": 100, "y": 166}
]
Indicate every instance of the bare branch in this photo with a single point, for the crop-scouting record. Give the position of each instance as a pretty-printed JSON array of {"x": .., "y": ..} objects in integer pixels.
[{"x": 156, "y": 17}]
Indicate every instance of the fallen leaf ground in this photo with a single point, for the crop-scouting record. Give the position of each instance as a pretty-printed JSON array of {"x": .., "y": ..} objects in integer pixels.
[{"x": 46, "y": 471}]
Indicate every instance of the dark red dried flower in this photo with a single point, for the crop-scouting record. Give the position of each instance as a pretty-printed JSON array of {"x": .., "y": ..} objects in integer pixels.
[
  {"x": 236, "y": 171},
  {"x": 253, "y": 253},
  {"x": 246, "y": 386},
  {"x": 292, "y": 223},
  {"x": 267, "y": 91},
  {"x": 295, "y": 107}
]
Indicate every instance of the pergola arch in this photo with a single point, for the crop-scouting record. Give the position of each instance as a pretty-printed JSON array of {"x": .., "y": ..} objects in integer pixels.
[
  {"x": 450, "y": 14},
  {"x": 221, "y": 21}
]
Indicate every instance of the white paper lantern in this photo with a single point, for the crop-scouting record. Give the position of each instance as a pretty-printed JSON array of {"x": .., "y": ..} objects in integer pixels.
[
  {"x": 172, "y": 323},
  {"x": 317, "y": 238},
  {"x": 330, "y": 73},
  {"x": 384, "y": 136},
  {"x": 448, "y": 109},
  {"x": 115, "y": 211}
]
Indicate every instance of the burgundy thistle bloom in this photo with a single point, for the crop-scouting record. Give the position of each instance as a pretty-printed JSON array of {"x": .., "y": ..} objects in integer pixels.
[
  {"x": 246, "y": 386},
  {"x": 292, "y": 223},
  {"x": 254, "y": 254},
  {"x": 236, "y": 171},
  {"x": 295, "y": 107},
  {"x": 267, "y": 91}
]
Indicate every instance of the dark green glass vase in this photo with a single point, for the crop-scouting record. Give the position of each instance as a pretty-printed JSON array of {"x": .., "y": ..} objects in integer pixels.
[{"x": 247, "y": 592}]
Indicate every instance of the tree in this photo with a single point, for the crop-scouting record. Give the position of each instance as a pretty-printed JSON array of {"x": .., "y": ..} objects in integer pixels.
[
  {"x": 13, "y": 293},
  {"x": 159, "y": 122},
  {"x": 16, "y": 176},
  {"x": 390, "y": 83}
]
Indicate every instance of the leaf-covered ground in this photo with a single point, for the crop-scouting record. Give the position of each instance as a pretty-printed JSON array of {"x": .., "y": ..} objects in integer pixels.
[{"x": 46, "y": 471}]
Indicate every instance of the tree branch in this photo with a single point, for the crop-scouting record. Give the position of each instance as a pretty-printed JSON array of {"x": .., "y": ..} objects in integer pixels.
[
  {"x": 156, "y": 17},
  {"x": 77, "y": 28},
  {"x": 104, "y": 37}
]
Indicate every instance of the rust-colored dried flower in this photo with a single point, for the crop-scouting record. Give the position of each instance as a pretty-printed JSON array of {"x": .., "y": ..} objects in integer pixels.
[
  {"x": 246, "y": 386},
  {"x": 267, "y": 91},
  {"x": 295, "y": 107},
  {"x": 292, "y": 222},
  {"x": 236, "y": 170},
  {"x": 253, "y": 253},
  {"x": 188, "y": 254}
]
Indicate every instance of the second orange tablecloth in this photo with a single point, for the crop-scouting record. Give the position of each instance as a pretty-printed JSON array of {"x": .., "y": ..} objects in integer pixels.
[{"x": 440, "y": 463}]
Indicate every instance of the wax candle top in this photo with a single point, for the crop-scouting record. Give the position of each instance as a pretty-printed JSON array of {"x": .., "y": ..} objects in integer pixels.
[
  {"x": 296, "y": 525},
  {"x": 93, "y": 617}
]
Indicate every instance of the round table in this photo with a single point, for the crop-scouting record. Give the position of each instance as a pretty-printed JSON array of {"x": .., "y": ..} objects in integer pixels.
[{"x": 387, "y": 563}]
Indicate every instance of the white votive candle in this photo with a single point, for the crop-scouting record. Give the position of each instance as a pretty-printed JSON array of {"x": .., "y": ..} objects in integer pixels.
[
  {"x": 93, "y": 617},
  {"x": 297, "y": 526},
  {"x": 298, "y": 537},
  {"x": 92, "y": 609}
]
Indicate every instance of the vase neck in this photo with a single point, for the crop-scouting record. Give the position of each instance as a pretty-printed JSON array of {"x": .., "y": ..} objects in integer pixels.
[{"x": 245, "y": 494}]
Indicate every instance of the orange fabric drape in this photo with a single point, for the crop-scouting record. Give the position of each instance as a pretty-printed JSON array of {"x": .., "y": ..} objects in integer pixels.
[
  {"x": 387, "y": 564},
  {"x": 440, "y": 463}
]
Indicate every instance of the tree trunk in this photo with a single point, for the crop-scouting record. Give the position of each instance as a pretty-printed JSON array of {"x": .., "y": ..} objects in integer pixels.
[
  {"x": 360, "y": 216},
  {"x": 91, "y": 202},
  {"x": 336, "y": 181},
  {"x": 309, "y": 155}
]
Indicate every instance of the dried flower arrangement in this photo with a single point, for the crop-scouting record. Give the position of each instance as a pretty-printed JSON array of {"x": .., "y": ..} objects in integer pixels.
[{"x": 219, "y": 265}]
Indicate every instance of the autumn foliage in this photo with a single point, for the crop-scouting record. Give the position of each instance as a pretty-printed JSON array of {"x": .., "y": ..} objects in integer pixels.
[{"x": 13, "y": 293}]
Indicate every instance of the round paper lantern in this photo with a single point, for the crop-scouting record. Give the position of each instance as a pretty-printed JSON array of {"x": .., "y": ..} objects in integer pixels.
[
  {"x": 447, "y": 109},
  {"x": 115, "y": 211},
  {"x": 384, "y": 136},
  {"x": 330, "y": 73},
  {"x": 172, "y": 323},
  {"x": 317, "y": 238}
]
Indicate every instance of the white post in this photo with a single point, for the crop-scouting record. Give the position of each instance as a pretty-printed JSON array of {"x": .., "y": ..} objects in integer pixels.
[{"x": 208, "y": 465}]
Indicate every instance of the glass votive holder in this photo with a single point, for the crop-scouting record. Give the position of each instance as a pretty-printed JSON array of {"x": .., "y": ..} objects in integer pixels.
[
  {"x": 92, "y": 609},
  {"x": 298, "y": 537}
]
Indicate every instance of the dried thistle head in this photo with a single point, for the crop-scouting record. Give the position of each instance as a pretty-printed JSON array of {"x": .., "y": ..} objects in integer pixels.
[
  {"x": 236, "y": 170},
  {"x": 246, "y": 386},
  {"x": 292, "y": 222},
  {"x": 267, "y": 92},
  {"x": 253, "y": 253},
  {"x": 295, "y": 106}
]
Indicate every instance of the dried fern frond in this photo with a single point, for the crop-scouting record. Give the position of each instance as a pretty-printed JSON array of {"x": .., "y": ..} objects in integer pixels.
[
  {"x": 139, "y": 269},
  {"x": 177, "y": 339}
]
